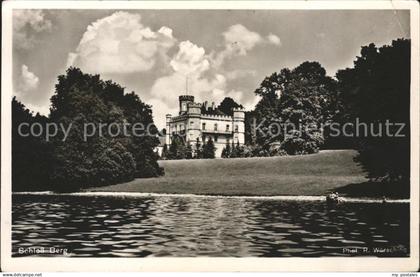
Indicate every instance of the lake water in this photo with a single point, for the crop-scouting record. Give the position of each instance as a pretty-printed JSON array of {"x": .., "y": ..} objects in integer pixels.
[{"x": 92, "y": 226}]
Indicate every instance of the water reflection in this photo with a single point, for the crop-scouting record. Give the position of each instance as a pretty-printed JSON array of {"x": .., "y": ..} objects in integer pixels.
[{"x": 186, "y": 227}]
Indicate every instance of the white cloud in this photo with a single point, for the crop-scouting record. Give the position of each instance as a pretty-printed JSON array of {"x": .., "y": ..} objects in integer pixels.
[
  {"x": 273, "y": 39},
  {"x": 26, "y": 23},
  {"x": 189, "y": 62},
  {"x": 168, "y": 88},
  {"x": 251, "y": 102},
  {"x": 28, "y": 80},
  {"x": 239, "y": 73},
  {"x": 207, "y": 79},
  {"x": 119, "y": 43},
  {"x": 239, "y": 39},
  {"x": 190, "y": 59},
  {"x": 34, "y": 18},
  {"x": 26, "y": 85},
  {"x": 160, "y": 110}
]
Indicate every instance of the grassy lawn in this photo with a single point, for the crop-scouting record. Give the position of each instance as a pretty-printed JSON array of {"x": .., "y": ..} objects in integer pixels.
[{"x": 315, "y": 174}]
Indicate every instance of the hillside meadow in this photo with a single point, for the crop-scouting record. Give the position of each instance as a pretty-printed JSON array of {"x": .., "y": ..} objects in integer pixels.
[{"x": 315, "y": 174}]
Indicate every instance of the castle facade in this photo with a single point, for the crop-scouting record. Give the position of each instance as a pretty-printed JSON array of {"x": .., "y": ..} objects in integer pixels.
[{"x": 196, "y": 120}]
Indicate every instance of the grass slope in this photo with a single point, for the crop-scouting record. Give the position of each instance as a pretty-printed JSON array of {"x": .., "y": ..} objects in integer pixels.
[{"x": 314, "y": 174}]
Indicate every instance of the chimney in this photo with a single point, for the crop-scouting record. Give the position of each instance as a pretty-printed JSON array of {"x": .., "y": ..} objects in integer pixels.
[
  {"x": 206, "y": 105},
  {"x": 212, "y": 106}
]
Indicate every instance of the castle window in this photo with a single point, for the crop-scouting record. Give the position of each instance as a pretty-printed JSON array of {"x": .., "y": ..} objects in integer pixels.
[
  {"x": 236, "y": 128},
  {"x": 215, "y": 126},
  {"x": 227, "y": 128},
  {"x": 215, "y": 138},
  {"x": 191, "y": 122},
  {"x": 204, "y": 126}
]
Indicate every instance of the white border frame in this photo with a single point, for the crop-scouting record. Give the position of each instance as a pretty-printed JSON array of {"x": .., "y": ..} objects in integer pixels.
[{"x": 205, "y": 264}]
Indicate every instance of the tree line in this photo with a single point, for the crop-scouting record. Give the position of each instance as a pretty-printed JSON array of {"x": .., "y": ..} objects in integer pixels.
[{"x": 179, "y": 149}]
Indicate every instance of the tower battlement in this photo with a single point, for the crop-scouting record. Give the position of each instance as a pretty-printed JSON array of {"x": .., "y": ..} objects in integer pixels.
[{"x": 187, "y": 98}]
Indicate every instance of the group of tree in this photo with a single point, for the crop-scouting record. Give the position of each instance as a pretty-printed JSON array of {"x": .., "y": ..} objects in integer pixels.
[
  {"x": 294, "y": 107},
  {"x": 77, "y": 162},
  {"x": 179, "y": 149},
  {"x": 236, "y": 151},
  {"x": 305, "y": 102},
  {"x": 376, "y": 90},
  {"x": 227, "y": 105},
  {"x": 224, "y": 108}
]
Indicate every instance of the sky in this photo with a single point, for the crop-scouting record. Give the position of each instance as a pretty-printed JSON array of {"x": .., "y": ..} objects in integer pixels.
[{"x": 160, "y": 54}]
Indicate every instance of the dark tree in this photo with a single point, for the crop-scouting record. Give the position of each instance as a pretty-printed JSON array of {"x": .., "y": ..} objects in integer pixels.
[
  {"x": 177, "y": 149},
  {"x": 227, "y": 106},
  {"x": 209, "y": 149},
  {"x": 198, "y": 149},
  {"x": 250, "y": 135},
  {"x": 81, "y": 99},
  {"x": 165, "y": 152},
  {"x": 233, "y": 152},
  {"x": 376, "y": 90},
  {"x": 31, "y": 156},
  {"x": 141, "y": 147},
  {"x": 226, "y": 151},
  {"x": 294, "y": 106}
]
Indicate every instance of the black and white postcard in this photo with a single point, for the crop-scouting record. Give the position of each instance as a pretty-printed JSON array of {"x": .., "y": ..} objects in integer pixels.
[{"x": 210, "y": 136}]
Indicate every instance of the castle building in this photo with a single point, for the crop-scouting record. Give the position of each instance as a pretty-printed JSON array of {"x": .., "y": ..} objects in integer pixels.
[{"x": 197, "y": 121}]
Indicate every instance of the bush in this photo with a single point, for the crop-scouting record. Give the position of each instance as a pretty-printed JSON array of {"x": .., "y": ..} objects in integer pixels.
[{"x": 226, "y": 152}]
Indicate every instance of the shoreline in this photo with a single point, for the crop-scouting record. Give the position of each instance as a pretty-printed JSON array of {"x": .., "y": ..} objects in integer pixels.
[{"x": 303, "y": 198}]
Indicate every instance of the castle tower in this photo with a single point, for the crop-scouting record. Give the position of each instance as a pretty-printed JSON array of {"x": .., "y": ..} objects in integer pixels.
[
  {"x": 184, "y": 100},
  {"x": 239, "y": 126},
  {"x": 193, "y": 123},
  {"x": 168, "y": 129}
]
